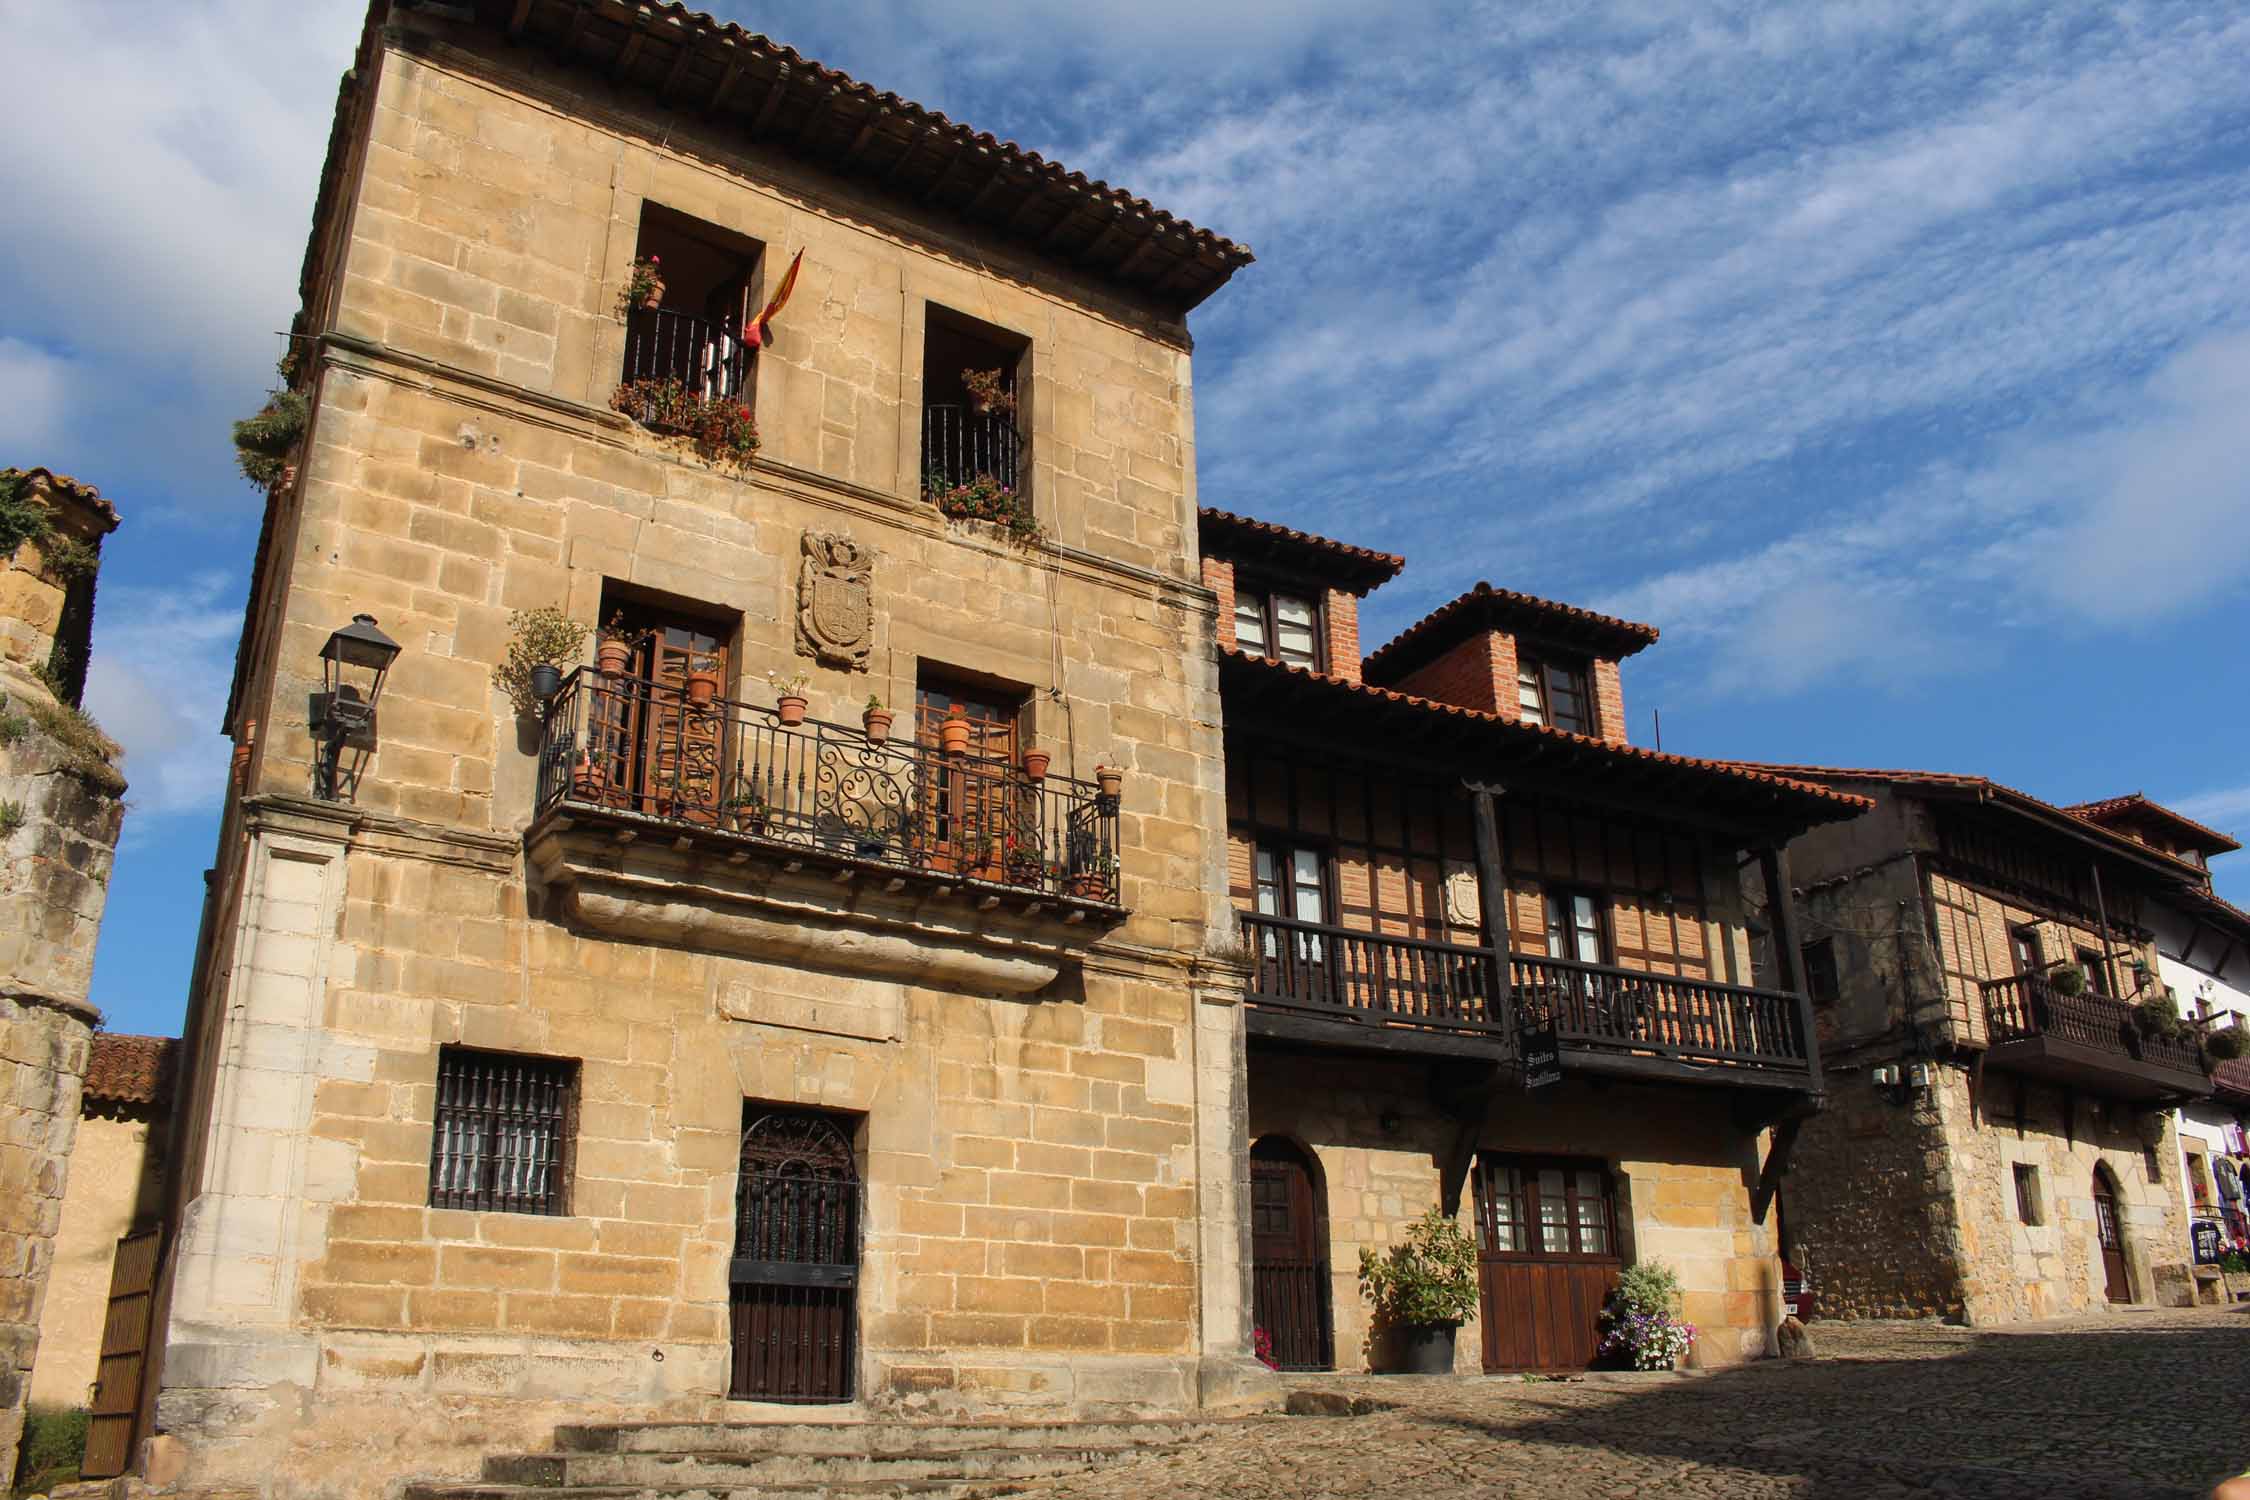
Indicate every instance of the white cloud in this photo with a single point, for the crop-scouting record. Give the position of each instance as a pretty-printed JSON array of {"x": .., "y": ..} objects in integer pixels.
[
  {"x": 32, "y": 393},
  {"x": 157, "y": 680},
  {"x": 2225, "y": 808}
]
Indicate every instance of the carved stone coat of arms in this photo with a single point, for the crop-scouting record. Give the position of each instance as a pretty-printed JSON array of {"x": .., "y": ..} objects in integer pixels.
[{"x": 836, "y": 601}]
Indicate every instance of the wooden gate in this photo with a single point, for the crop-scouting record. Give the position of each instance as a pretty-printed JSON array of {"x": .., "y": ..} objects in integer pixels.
[
  {"x": 124, "y": 1357},
  {"x": 2112, "y": 1239},
  {"x": 1546, "y": 1261},
  {"x": 795, "y": 1275},
  {"x": 1289, "y": 1257}
]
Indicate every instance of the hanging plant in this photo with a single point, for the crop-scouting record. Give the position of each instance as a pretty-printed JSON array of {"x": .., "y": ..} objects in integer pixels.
[
  {"x": 540, "y": 637},
  {"x": 984, "y": 498},
  {"x": 987, "y": 394},
  {"x": 721, "y": 427},
  {"x": 263, "y": 443},
  {"x": 644, "y": 286},
  {"x": 22, "y": 519}
]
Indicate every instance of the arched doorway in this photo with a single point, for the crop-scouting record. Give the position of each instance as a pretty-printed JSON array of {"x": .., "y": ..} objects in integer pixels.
[
  {"x": 2111, "y": 1234},
  {"x": 795, "y": 1276},
  {"x": 1289, "y": 1255}
]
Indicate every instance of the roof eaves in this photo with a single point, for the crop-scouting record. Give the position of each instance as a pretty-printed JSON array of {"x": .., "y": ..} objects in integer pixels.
[
  {"x": 1360, "y": 565},
  {"x": 1486, "y": 606}
]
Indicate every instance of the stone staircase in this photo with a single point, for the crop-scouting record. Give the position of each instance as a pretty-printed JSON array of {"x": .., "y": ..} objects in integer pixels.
[{"x": 812, "y": 1460}]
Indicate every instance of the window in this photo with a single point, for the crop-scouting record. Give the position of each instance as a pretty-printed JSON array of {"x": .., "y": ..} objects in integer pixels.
[
  {"x": 2199, "y": 1180},
  {"x": 974, "y": 379},
  {"x": 2154, "y": 1156},
  {"x": 690, "y": 327},
  {"x": 1821, "y": 981},
  {"x": 2030, "y": 1207},
  {"x": 1536, "y": 1207},
  {"x": 1554, "y": 693},
  {"x": 505, "y": 1126},
  {"x": 1292, "y": 882},
  {"x": 1574, "y": 926},
  {"x": 2096, "y": 972},
  {"x": 1278, "y": 626},
  {"x": 2023, "y": 945}
]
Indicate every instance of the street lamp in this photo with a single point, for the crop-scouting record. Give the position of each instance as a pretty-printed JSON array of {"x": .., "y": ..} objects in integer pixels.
[{"x": 352, "y": 667}]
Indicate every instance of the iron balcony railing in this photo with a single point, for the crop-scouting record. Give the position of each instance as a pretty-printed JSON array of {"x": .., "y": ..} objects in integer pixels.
[
  {"x": 1366, "y": 976},
  {"x": 653, "y": 750},
  {"x": 960, "y": 443},
  {"x": 2023, "y": 1006},
  {"x": 706, "y": 357}
]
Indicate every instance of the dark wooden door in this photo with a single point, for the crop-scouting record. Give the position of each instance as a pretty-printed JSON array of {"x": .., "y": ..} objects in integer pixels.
[
  {"x": 124, "y": 1356},
  {"x": 795, "y": 1276},
  {"x": 1289, "y": 1257},
  {"x": 1546, "y": 1260},
  {"x": 2112, "y": 1239}
]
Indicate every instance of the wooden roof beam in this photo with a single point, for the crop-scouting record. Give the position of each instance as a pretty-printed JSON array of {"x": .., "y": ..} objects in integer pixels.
[
  {"x": 866, "y": 133},
  {"x": 945, "y": 178},
  {"x": 771, "y": 102},
  {"x": 976, "y": 199},
  {"x": 817, "y": 114},
  {"x": 724, "y": 87},
  {"x": 517, "y": 19},
  {"x": 628, "y": 54},
  {"x": 681, "y": 55}
]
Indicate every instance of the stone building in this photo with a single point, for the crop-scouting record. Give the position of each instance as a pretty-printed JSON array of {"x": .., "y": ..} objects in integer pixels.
[
  {"x": 676, "y": 1039},
  {"x": 115, "y": 1194},
  {"x": 1998, "y": 1143},
  {"x": 1447, "y": 859},
  {"x": 60, "y": 812}
]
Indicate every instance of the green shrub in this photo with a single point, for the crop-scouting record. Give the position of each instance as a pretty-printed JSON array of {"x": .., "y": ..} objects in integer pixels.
[
  {"x": 54, "y": 1445},
  {"x": 263, "y": 443},
  {"x": 21, "y": 518},
  {"x": 2227, "y": 1043},
  {"x": 88, "y": 753},
  {"x": 11, "y": 819},
  {"x": 1430, "y": 1278},
  {"x": 544, "y": 636},
  {"x": 1648, "y": 1288}
]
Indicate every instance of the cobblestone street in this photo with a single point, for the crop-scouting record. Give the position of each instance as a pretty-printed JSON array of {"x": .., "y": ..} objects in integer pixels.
[{"x": 2142, "y": 1405}]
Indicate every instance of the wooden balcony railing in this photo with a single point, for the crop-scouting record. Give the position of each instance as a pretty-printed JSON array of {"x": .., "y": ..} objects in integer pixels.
[
  {"x": 1367, "y": 976},
  {"x": 651, "y": 750},
  {"x": 1601, "y": 1005},
  {"x": 2023, "y": 1006}
]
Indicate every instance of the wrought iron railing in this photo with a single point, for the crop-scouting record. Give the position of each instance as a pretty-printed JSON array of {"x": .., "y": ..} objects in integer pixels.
[
  {"x": 1313, "y": 966},
  {"x": 1694, "y": 1019},
  {"x": 2022, "y": 1006},
  {"x": 653, "y": 750},
  {"x": 1319, "y": 968},
  {"x": 707, "y": 357},
  {"x": 960, "y": 443}
]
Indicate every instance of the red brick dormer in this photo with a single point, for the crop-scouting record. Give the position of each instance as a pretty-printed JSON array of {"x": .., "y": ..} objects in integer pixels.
[
  {"x": 1298, "y": 592},
  {"x": 1507, "y": 653}
]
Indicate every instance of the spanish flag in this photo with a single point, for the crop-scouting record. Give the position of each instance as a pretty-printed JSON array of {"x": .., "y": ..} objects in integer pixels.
[{"x": 759, "y": 333}]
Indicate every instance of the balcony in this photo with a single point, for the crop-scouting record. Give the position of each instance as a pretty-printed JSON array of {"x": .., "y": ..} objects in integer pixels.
[
  {"x": 1320, "y": 983},
  {"x": 666, "y": 814},
  {"x": 2086, "y": 1041},
  {"x": 703, "y": 357},
  {"x": 960, "y": 443}
]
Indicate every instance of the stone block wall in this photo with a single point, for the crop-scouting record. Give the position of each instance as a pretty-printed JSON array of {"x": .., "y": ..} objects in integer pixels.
[
  {"x": 116, "y": 1165},
  {"x": 43, "y": 1049}
]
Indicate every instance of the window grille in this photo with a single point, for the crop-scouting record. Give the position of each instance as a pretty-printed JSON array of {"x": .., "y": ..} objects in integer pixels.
[{"x": 504, "y": 1131}]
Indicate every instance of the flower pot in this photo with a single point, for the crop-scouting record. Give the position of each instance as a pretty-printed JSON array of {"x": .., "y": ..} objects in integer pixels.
[
  {"x": 613, "y": 657},
  {"x": 546, "y": 681},
  {"x": 588, "y": 781},
  {"x": 1035, "y": 764},
  {"x": 790, "y": 708},
  {"x": 653, "y": 298},
  {"x": 1111, "y": 781},
  {"x": 703, "y": 686},
  {"x": 1426, "y": 1348},
  {"x": 747, "y": 817},
  {"x": 1088, "y": 885},
  {"x": 877, "y": 722},
  {"x": 953, "y": 736}
]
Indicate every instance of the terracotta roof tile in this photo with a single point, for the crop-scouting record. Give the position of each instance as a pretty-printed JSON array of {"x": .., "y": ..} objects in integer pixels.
[
  {"x": 1488, "y": 607},
  {"x": 78, "y": 489},
  {"x": 129, "y": 1069},
  {"x": 2210, "y": 840},
  {"x": 1837, "y": 804},
  {"x": 1361, "y": 566}
]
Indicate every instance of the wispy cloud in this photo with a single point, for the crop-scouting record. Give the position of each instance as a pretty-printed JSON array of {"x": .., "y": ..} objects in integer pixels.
[
  {"x": 2226, "y": 808},
  {"x": 157, "y": 681}
]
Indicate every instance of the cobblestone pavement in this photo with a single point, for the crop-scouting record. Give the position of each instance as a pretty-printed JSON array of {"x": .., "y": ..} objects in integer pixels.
[{"x": 2148, "y": 1405}]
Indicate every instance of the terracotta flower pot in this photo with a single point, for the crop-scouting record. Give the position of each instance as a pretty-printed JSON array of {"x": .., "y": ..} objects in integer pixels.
[
  {"x": 612, "y": 657},
  {"x": 877, "y": 722},
  {"x": 653, "y": 298},
  {"x": 1035, "y": 762},
  {"x": 588, "y": 781},
  {"x": 1110, "y": 779},
  {"x": 703, "y": 686},
  {"x": 790, "y": 708},
  {"x": 953, "y": 736}
]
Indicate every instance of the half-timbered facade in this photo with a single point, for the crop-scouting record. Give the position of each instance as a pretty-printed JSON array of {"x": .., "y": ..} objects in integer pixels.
[
  {"x": 2004, "y": 1059},
  {"x": 1502, "y": 961}
]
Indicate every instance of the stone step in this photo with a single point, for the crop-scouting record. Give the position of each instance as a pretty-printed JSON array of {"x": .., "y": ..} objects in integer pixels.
[
  {"x": 670, "y": 1471},
  {"x": 874, "y": 1438},
  {"x": 881, "y": 1489}
]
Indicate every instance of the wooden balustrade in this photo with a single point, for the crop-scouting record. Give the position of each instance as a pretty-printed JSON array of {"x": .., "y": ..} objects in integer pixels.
[{"x": 2019, "y": 1007}]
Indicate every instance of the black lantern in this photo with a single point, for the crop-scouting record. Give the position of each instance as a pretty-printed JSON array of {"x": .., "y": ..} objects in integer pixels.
[{"x": 352, "y": 667}]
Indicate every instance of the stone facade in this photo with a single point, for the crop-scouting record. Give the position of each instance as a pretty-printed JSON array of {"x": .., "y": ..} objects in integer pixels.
[
  {"x": 43, "y": 1046},
  {"x": 1046, "y": 1117}
]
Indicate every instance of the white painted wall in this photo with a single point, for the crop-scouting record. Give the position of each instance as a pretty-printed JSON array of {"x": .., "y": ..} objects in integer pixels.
[{"x": 2202, "y": 985}]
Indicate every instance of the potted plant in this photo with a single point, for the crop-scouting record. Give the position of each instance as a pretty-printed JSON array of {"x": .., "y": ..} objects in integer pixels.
[
  {"x": 789, "y": 700},
  {"x": 1025, "y": 867},
  {"x": 953, "y": 733},
  {"x": 1638, "y": 1326},
  {"x": 2067, "y": 980},
  {"x": 613, "y": 657},
  {"x": 745, "y": 810},
  {"x": 2227, "y": 1043},
  {"x": 702, "y": 681},
  {"x": 1110, "y": 780},
  {"x": 1424, "y": 1287},
  {"x": 644, "y": 283},
  {"x": 988, "y": 393},
  {"x": 1095, "y": 882},
  {"x": 589, "y": 779},
  {"x": 876, "y": 720},
  {"x": 1035, "y": 763}
]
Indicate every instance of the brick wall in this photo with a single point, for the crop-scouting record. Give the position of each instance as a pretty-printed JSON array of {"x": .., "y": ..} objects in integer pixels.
[
  {"x": 1609, "y": 701},
  {"x": 1479, "y": 673},
  {"x": 1342, "y": 616},
  {"x": 1218, "y": 577}
]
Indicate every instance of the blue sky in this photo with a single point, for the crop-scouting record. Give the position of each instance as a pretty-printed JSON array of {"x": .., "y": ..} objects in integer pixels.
[{"x": 1893, "y": 357}]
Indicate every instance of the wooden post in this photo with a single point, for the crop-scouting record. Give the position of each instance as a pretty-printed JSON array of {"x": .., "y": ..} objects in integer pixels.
[
  {"x": 1492, "y": 899},
  {"x": 2101, "y": 915},
  {"x": 1788, "y": 957}
]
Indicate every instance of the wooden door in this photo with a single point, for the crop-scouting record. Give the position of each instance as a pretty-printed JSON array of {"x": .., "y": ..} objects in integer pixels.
[
  {"x": 1289, "y": 1257},
  {"x": 124, "y": 1356},
  {"x": 794, "y": 1281},
  {"x": 1546, "y": 1260},
  {"x": 2111, "y": 1237},
  {"x": 968, "y": 808}
]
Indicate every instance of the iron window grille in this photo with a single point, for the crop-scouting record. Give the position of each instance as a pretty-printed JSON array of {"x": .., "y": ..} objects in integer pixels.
[{"x": 505, "y": 1125}]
